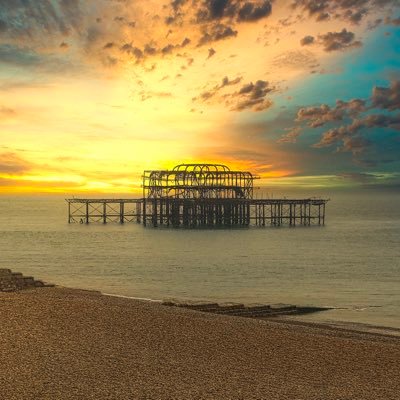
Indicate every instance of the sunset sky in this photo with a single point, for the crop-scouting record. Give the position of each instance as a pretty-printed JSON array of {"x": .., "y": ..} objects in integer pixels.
[{"x": 304, "y": 93}]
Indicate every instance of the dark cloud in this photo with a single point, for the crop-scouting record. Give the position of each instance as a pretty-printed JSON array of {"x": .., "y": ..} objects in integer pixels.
[
  {"x": 229, "y": 82},
  {"x": 109, "y": 45},
  {"x": 185, "y": 42},
  {"x": 177, "y": 4},
  {"x": 377, "y": 120},
  {"x": 240, "y": 11},
  {"x": 177, "y": 14},
  {"x": 167, "y": 49},
  {"x": 149, "y": 50},
  {"x": 252, "y": 12},
  {"x": 333, "y": 41},
  {"x": 349, "y": 134},
  {"x": 215, "y": 33},
  {"x": 253, "y": 96},
  {"x": 352, "y": 11},
  {"x": 307, "y": 40},
  {"x": 132, "y": 50},
  {"x": 387, "y": 98},
  {"x": 320, "y": 115},
  {"x": 359, "y": 116},
  {"x": 211, "y": 52},
  {"x": 12, "y": 164},
  {"x": 204, "y": 96},
  {"x": 215, "y": 10},
  {"x": 355, "y": 145}
]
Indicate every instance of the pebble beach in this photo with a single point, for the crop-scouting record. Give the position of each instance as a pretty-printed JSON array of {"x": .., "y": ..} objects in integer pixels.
[{"x": 59, "y": 343}]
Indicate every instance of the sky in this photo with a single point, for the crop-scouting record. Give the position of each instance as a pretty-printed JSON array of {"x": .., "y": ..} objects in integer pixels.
[{"x": 304, "y": 93}]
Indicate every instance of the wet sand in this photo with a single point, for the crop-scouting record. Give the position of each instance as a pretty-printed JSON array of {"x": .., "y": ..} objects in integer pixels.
[{"x": 58, "y": 343}]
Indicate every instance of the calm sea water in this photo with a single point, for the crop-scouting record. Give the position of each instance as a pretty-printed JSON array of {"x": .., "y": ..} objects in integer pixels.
[{"x": 352, "y": 264}]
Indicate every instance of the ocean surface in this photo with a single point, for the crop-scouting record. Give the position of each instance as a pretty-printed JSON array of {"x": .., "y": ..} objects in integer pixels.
[{"x": 351, "y": 264}]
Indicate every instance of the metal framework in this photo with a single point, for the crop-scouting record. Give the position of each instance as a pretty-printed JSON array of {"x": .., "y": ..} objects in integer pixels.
[
  {"x": 198, "y": 181},
  {"x": 199, "y": 195}
]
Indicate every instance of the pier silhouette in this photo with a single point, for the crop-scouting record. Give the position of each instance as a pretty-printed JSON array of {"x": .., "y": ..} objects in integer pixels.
[{"x": 199, "y": 195}]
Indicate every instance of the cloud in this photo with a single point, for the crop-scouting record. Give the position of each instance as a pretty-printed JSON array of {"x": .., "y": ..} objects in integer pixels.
[
  {"x": 204, "y": 96},
  {"x": 149, "y": 94},
  {"x": 248, "y": 11},
  {"x": 28, "y": 58},
  {"x": 295, "y": 60},
  {"x": 349, "y": 134},
  {"x": 358, "y": 115},
  {"x": 307, "y": 40},
  {"x": 31, "y": 18},
  {"x": 216, "y": 9},
  {"x": 253, "y": 96},
  {"x": 334, "y": 41},
  {"x": 128, "y": 48},
  {"x": 392, "y": 21},
  {"x": 6, "y": 112},
  {"x": 211, "y": 52},
  {"x": 3, "y": 26},
  {"x": 215, "y": 33},
  {"x": 10, "y": 54},
  {"x": 320, "y": 115},
  {"x": 387, "y": 98},
  {"x": 149, "y": 49},
  {"x": 360, "y": 177},
  {"x": 291, "y": 136},
  {"x": 12, "y": 164},
  {"x": 229, "y": 82},
  {"x": 249, "y": 96},
  {"x": 109, "y": 45},
  {"x": 352, "y": 11},
  {"x": 252, "y": 12}
]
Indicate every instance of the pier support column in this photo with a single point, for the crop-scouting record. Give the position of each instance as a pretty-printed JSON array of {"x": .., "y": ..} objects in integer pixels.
[
  {"x": 121, "y": 213},
  {"x": 87, "y": 213}
]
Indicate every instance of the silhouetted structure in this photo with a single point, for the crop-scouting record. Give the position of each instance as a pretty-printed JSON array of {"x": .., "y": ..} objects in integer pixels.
[{"x": 199, "y": 195}]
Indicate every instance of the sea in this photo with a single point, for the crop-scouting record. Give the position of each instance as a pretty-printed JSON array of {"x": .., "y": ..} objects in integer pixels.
[{"x": 351, "y": 265}]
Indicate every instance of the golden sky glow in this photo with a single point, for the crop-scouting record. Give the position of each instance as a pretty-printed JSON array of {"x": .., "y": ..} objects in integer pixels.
[{"x": 88, "y": 103}]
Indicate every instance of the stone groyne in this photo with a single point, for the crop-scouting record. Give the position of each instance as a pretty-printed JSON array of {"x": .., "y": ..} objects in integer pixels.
[
  {"x": 14, "y": 281},
  {"x": 244, "y": 310}
]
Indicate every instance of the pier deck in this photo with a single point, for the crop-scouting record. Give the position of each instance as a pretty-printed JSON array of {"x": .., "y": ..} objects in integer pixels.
[{"x": 192, "y": 213}]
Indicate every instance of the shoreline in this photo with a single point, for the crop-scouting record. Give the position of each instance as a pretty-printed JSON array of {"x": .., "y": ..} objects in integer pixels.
[
  {"x": 10, "y": 280},
  {"x": 352, "y": 326},
  {"x": 75, "y": 344}
]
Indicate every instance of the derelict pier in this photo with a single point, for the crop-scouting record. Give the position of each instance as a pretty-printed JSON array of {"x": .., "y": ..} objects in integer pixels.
[{"x": 199, "y": 195}]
